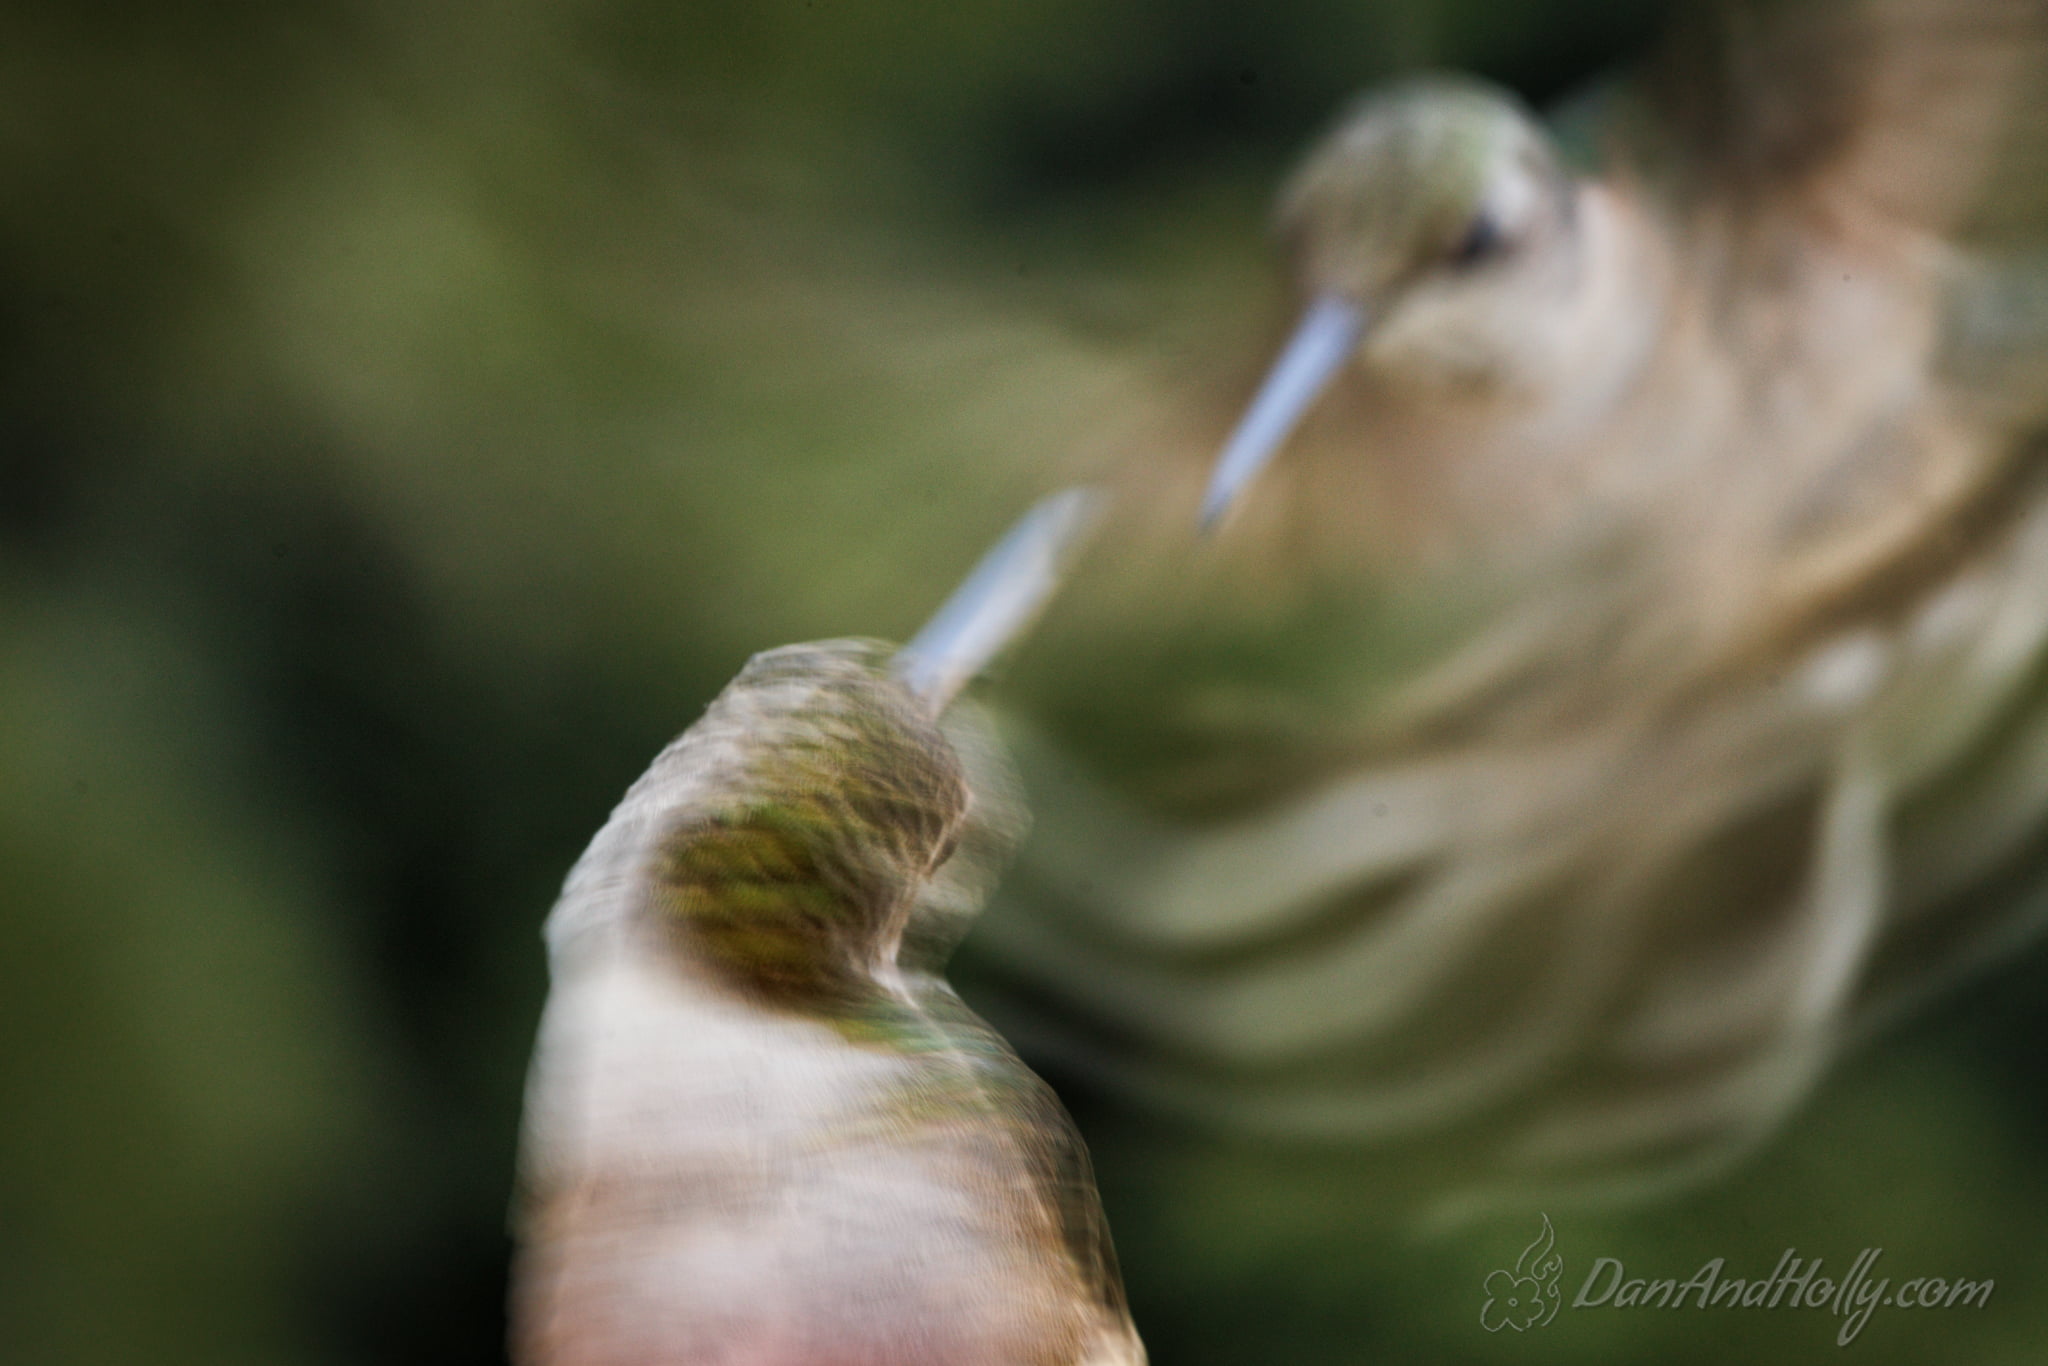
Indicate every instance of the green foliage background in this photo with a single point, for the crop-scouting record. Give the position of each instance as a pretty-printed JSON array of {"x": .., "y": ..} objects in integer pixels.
[{"x": 411, "y": 415}]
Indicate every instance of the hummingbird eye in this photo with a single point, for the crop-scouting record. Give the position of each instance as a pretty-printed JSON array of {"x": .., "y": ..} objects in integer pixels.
[{"x": 1483, "y": 240}]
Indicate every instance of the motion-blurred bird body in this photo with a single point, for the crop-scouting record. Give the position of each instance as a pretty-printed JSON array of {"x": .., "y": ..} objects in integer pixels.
[
  {"x": 761, "y": 1128},
  {"x": 1627, "y": 682}
]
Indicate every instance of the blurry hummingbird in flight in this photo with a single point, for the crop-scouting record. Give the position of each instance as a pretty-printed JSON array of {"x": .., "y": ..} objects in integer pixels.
[
  {"x": 760, "y": 1127},
  {"x": 1613, "y": 674}
]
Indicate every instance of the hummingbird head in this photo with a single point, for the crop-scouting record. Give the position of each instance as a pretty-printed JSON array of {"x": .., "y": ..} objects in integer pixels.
[
  {"x": 1439, "y": 183},
  {"x": 824, "y": 797},
  {"x": 1427, "y": 224}
]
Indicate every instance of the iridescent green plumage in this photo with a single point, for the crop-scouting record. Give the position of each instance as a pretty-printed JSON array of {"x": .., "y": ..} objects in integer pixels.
[
  {"x": 758, "y": 1127},
  {"x": 839, "y": 800}
]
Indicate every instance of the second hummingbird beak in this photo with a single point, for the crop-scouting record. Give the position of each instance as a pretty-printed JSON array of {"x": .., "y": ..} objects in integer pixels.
[{"x": 1325, "y": 338}]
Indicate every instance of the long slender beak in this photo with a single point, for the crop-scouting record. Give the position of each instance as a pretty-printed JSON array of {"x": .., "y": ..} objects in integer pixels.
[
  {"x": 1325, "y": 338},
  {"x": 1000, "y": 598}
]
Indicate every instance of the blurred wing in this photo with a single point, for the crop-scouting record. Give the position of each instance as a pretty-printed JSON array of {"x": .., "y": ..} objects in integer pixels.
[
  {"x": 1901, "y": 107},
  {"x": 1596, "y": 963}
]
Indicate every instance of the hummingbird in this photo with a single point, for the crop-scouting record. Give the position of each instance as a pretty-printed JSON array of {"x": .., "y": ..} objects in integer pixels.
[
  {"x": 1610, "y": 677},
  {"x": 760, "y": 1126}
]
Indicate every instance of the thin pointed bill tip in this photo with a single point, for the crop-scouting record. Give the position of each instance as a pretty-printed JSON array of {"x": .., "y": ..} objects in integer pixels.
[
  {"x": 1323, "y": 341},
  {"x": 1001, "y": 597}
]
